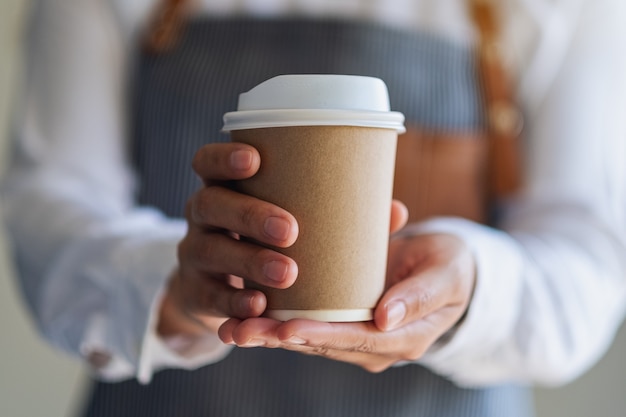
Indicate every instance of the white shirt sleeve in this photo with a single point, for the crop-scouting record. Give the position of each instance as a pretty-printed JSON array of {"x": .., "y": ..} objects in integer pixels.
[
  {"x": 92, "y": 264},
  {"x": 551, "y": 287}
]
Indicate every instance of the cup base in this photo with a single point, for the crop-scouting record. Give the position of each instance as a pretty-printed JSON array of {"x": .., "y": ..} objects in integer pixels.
[{"x": 363, "y": 314}]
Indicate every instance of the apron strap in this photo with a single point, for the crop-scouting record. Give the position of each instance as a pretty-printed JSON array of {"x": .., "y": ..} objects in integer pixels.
[
  {"x": 504, "y": 119},
  {"x": 165, "y": 26}
]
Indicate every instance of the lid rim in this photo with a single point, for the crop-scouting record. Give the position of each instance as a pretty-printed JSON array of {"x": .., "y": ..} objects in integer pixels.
[{"x": 255, "y": 119}]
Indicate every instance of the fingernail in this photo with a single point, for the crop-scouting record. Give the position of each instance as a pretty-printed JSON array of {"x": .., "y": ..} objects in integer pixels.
[
  {"x": 295, "y": 340},
  {"x": 396, "y": 311},
  {"x": 277, "y": 228},
  {"x": 275, "y": 270},
  {"x": 241, "y": 160}
]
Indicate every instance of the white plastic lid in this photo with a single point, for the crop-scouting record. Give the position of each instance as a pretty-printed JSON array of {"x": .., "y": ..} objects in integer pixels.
[{"x": 315, "y": 100}]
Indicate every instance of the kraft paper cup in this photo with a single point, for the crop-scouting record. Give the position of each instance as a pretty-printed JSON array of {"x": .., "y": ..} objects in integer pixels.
[{"x": 327, "y": 146}]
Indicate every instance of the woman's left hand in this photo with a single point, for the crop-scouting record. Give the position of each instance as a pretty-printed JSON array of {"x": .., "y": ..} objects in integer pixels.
[{"x": 430, "y": 279}]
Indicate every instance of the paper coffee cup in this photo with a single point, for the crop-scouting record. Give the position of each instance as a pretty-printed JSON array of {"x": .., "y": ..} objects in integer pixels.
[{"x": 327, "y": 146}]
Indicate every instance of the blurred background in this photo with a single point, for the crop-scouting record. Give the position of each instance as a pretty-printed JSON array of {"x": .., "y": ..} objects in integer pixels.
[
  {"x": 38, "y": 381},
  {"x": 35, "y": 380}
]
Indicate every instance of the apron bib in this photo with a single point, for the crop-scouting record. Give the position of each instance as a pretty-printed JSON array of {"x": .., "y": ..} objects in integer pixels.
[{"x": 181, "y": 97}]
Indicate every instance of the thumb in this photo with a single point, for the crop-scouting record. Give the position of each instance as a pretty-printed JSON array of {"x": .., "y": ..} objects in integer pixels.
[{"x": 399, "y": 215}]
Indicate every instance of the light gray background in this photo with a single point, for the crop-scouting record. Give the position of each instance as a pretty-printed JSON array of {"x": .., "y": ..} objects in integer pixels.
[{"x": 38, "y": 381}]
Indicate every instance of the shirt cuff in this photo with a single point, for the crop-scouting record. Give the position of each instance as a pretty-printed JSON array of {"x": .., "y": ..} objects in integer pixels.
[
  {"x": 126, "y": 270},
  {"x": 179, "y": 352},
  {"x": 120, "y": 340}
]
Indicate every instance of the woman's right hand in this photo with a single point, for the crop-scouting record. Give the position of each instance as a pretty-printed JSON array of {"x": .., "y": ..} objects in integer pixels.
[{"x": 207, "y": 287}]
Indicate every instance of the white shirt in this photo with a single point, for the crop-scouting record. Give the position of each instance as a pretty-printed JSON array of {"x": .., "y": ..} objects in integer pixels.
[{"x": 551, "y": 287}]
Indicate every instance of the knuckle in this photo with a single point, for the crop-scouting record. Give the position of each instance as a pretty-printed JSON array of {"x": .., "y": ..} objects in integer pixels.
[
  {"x": 205, "y": 160},
  {"x": 206, "y": 253},
  {"x": 198, "y": 159},
  {"x": 182, "y": 253},
  {"x": 189, "y": 297},
  {"x": 204, "y": 302},
  {"x": 424, "y": 298},
  {"x": 253, "y": 265},
  {"x": 321, "y": 350},
  {"x": 202, "y": 205},
  {"x": 247, "y": 215},
  {"x": 365, "y": 346},
  {"x": 189, "y": 209},
  {"x": 235, "y": 304}
]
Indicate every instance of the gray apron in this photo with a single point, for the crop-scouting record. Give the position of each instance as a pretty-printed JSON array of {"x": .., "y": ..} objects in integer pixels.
[{"x": 181, "y": 97}]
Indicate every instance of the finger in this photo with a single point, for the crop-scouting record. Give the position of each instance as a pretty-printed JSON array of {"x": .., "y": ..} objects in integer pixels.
[
  {"x": 225, "y": 331},
  {"x": 218, "y": 207},
  {"x": 399, "y": 215},
  {"x": 199, "y": 296},
  {"x": 414, "y": 298},
  {"x": 173, "y": 321},
  {"x": 370, "y": 362},
  {"x": 363, "y": 337},
  {"x": 363, "y": 344},
  {"x": 427, "y": 273},
  {"x": 256, "y": 332},
  {"x": 226, "y": 161},
  {"x": 217, "y": 253}
]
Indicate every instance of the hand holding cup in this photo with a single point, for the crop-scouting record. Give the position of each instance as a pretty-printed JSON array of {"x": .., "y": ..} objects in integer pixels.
[{"x": 207, "y": 287}]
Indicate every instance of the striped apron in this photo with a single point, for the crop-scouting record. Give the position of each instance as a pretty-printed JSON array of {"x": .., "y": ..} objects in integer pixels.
[{"x": 180, "y": 99}]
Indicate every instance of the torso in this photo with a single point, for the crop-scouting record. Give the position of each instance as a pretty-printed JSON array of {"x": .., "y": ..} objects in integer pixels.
[{"x": 181, "y": 97}]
